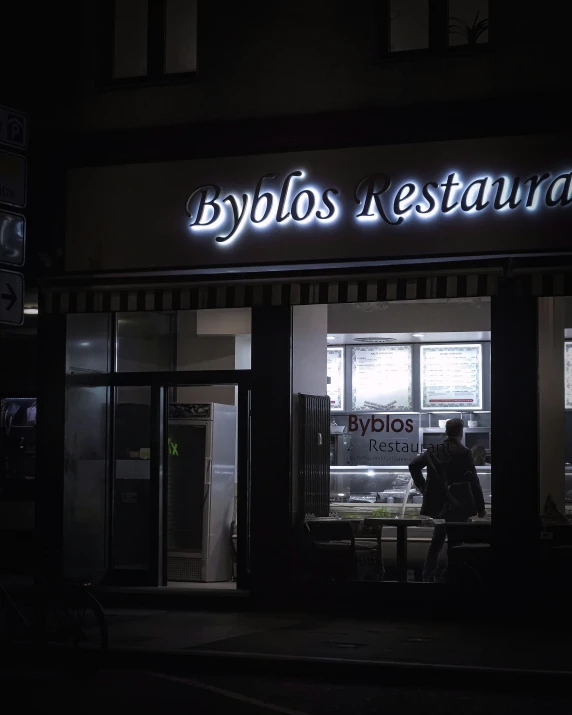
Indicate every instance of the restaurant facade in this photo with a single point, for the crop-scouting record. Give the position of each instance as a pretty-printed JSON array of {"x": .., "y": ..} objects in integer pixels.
[{"x": 199, "y": 329}]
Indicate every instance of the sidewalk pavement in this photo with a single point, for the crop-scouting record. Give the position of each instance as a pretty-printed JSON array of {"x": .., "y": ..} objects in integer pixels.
[
  {"x": 287, "y": 637},
  {"x": 236, "y": 635}
]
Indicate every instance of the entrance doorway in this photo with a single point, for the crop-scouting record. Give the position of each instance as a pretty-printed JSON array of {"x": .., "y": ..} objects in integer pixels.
[
  {"x": 170, "y": 504},
  {"x": 201, "y": 514}
]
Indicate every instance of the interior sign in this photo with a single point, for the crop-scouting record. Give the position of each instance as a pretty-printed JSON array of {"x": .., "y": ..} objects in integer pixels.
[{"x": 296, "y": 201}]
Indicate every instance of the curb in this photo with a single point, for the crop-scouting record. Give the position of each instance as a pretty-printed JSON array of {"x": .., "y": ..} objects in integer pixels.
[{"x": 407, "y": 673}]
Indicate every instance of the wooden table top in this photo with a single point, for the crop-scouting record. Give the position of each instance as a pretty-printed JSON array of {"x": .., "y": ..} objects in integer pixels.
[{"x": 389, "y": 521}]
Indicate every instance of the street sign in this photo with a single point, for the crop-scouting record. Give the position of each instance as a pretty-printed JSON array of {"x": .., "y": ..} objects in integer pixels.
[
  {"x": 13, "y": 128},
  {"x": 11, "y": 298},
  {"x": 12, "y": 179},
  {"x": 12, "y": 238}
]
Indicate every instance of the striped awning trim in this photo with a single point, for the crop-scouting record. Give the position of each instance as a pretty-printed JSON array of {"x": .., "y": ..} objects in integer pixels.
[
  {"x": 542, "y": 282},
  {"x": 239, "y": 295}
]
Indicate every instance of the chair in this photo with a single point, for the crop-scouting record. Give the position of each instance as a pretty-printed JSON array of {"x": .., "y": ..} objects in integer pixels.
[
  {"x": 468, "y": 551},
  {"x": 556, "y": 554},
  {"x": 337, "y": 554}
]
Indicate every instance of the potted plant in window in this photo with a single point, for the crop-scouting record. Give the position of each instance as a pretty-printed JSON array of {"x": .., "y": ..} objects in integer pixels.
[{"x": 471, "y": 33}]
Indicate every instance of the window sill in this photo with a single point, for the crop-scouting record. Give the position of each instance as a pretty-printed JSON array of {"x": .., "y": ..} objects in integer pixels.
[
  {"x": 424, "y": 55},
  {"x": 146, "y": 82}
]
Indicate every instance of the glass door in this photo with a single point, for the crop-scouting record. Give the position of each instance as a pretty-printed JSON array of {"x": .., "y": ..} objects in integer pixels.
[
  {"x": 136, "y": 494},
  {"x": 206, "y": 489},
  {"x": 179, "y": 485}
]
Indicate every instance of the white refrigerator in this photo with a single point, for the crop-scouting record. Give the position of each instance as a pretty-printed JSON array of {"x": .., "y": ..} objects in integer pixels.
[{"x": 200, "y": 491}]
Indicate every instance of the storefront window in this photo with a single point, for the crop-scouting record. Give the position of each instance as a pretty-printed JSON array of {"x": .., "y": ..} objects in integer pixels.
[
  {"x": 85, "y": 482},
  {"x": 88, "y": 342},
  {"x": 145, "y": 342},
  {"x": 214, "y": 339},
  {"x": 186, "y": 340},
  {"x": 396, "y": 373},
  {"x": 17, "y": 438}
]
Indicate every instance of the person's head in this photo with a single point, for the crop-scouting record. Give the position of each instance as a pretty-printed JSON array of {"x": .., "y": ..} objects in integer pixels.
[{"x": 454, "y": 428}]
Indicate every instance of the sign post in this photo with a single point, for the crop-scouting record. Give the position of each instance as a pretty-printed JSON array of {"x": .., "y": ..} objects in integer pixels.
[{"x": 13, "y": 190}]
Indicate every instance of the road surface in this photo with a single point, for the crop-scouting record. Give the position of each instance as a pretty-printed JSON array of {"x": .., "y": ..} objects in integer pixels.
[{"x": 142, "y": 691}]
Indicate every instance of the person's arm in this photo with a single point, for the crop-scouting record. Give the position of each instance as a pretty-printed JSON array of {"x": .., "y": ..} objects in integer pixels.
[
  {"x": 416, "y": 468},
  {"x": 477, "y": 489}
]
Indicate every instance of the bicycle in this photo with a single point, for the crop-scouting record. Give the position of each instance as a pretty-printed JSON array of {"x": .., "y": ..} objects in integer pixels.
[{"x": 64, "y": 613}]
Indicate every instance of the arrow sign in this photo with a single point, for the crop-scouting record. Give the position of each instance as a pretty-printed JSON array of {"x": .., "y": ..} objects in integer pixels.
[{"x": 11, "y": 298}]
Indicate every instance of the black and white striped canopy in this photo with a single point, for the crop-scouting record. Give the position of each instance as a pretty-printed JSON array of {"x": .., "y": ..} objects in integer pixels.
[{"x": 103, "y": 298}]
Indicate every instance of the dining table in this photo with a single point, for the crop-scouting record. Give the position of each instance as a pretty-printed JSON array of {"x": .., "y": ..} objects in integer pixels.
[{"x": 401, "y": 524}]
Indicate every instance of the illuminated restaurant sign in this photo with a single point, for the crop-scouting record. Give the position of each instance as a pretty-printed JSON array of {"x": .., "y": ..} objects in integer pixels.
[{"x": 294, "y": 200}]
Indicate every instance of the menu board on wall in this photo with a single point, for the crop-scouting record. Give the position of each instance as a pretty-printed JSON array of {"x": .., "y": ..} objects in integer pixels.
[
  {"x": 568, "y": 375},
  {"x": 451, "y": 377},
  {"x": 336, "y": 378},
  {"x": 382, "y": 378}
]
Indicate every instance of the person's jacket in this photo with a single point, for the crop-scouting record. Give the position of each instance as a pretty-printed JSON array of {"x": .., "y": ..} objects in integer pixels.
[{"x": 451, "y": 461}]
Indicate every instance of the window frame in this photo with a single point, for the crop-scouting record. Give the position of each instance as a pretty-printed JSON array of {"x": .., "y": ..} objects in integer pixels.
[
  {"x": 156, "y": 46},
  {"x": 438, "y": 34}
]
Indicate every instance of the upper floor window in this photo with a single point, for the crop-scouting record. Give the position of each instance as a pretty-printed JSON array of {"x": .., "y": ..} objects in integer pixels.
[
  {"x": 432, "y": 25},
  {"x": 150, "y": 40}
]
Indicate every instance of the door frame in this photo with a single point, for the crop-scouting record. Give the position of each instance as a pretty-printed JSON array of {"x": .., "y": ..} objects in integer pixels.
[{"x": 160, "y": 382}]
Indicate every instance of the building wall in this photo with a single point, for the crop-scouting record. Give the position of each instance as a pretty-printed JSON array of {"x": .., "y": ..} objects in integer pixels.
[{"x": 271, "y": 59}]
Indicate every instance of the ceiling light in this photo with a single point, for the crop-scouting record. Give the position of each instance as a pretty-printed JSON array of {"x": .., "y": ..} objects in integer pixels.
[
  {"x": 30, "y": 311},
  {"x": 371, "y": 340},
  {"x": 418, "y": 335},
  {"x": 331, "y": 337}
]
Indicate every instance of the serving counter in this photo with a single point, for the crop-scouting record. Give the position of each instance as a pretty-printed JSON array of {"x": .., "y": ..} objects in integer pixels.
[
  {"x": 382, "y": 493},
  {"x": 369, "y": 491}
]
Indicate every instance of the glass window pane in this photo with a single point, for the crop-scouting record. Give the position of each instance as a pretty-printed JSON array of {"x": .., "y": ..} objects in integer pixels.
[
  {"x": 180, "y": 36},
  {"x": 17, "y": 438},
  {"x": 85, "y": 482},
  {"x": 214, "y": 339},
  {"x": 87, "y": 343},
  {"x": 468, "y": 22},
  {"x": 130, "y": 39},
  {"x": 568, "y": 374},
  {"x": 409, "y": 25},
  {"x": 131, "y": 491},
  {"x": 145, "y": 342}
]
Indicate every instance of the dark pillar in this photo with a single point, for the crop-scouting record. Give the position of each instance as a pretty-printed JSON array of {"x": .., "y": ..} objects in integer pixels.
[
  {"x": 515, "y": 443},
  {"x": 50, "y": 437},
  {"x": 271, "y": 473}
]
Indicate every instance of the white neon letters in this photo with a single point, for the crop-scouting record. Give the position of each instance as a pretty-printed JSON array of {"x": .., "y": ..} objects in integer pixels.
[
  {"x": 291, "y": 200},
  {"x": 301, "y": 204},
  {"x": 378, "y": 201}
]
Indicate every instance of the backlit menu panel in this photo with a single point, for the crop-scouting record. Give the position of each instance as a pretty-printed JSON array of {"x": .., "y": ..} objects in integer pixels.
[
  {"x": 568, "y": 375},
  {"x": 336, "y": 378},
  {"x": 451, "y": 377},
  {"x": 382, "y": 378}
]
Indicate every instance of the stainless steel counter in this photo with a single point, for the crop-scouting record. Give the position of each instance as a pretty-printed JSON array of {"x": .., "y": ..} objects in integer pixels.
[{"x": 359, "y": 491}]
